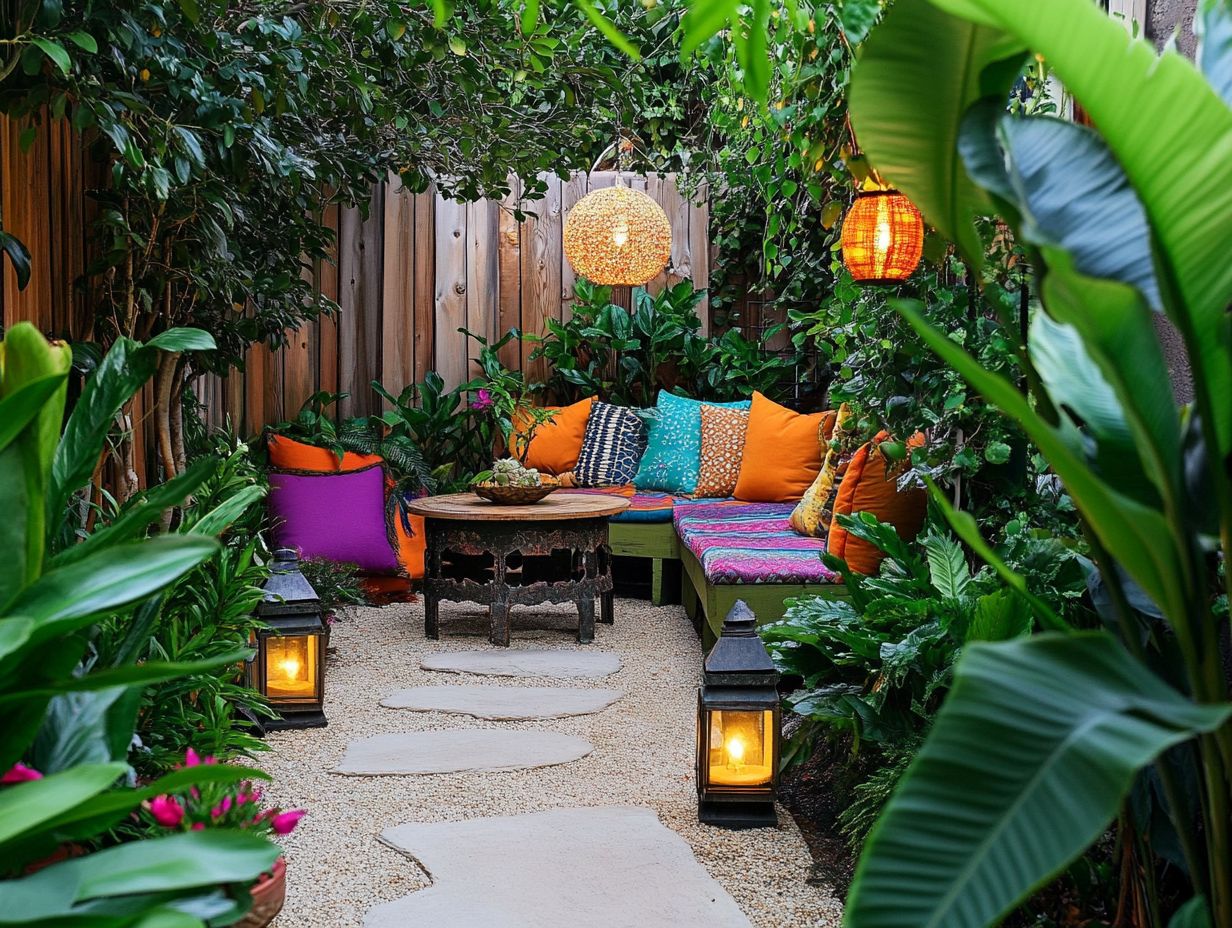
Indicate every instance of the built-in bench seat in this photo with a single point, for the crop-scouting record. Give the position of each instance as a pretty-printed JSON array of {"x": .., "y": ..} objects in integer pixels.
[{"x": 722, "y": 550}]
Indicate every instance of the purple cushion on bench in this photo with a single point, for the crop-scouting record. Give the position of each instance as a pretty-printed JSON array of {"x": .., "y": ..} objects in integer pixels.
[
  {"x": 750, "y": 543},
  {"x": 340, "y": 517}
]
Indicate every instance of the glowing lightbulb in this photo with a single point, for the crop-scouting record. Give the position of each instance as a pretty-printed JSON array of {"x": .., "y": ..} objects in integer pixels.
[
  {"x": 735, "y": 750},
  {"x": 620, "y": 232},
  {"x": 290, "y": 667},
  {"x": 882, "y": 239}
]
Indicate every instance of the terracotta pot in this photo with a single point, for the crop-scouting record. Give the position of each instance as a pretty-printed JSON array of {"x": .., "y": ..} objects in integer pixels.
[{"x": 268, "y": 897}]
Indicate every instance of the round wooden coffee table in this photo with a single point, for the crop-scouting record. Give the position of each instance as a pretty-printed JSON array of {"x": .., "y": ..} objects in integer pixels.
[{"x": 552, "y": 551}]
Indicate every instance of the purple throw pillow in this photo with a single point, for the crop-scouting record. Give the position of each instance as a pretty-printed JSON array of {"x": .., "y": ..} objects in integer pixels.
[{"x": 340, "y": 517}]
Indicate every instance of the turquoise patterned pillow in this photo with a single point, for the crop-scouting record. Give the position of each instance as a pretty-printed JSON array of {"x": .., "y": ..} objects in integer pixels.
[{"x": 674, "y": 446}]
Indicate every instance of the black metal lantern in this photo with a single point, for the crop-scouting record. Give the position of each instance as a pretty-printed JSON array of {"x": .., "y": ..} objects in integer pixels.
[
  {"x": 289, "y": 666},
  {"x": 738, "y": 729}
]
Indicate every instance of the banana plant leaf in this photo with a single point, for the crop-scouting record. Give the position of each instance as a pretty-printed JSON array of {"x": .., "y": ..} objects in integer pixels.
[{"x": 1027, "y": 763}]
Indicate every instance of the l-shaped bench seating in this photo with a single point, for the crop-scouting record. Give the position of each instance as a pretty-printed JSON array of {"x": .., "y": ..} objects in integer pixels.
[{"x": 723, "y": 550}]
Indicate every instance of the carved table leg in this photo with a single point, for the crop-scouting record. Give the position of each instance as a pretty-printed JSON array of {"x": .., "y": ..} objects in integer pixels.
[
  {"x": 432, "y": 622},
  {"x": 498, "y": 611},
  {"x": 586, "y": 618}
]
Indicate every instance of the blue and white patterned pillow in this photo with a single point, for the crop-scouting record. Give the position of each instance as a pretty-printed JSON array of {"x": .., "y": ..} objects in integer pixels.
[
  {"x": 674, "y": 447},
  {"x": 611, "y": 448}
]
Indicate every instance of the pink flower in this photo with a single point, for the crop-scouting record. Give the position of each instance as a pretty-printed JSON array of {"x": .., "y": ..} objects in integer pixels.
[
  {"x": 20, "y": 773},
  {"x": 285, "y": 823},
  {"x": 222, "y": 808},
  {"x": 483, "y": 400},
  {"x": 198, "y": 826},
  {"x": 191, "y": 758},
  {"x": 166, "y": 811}
]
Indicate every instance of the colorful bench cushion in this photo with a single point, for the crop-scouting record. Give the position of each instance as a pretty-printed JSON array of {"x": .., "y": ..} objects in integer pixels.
[
  {"x": 643, "y": 507},
  {"x": 738, "y": 542}
]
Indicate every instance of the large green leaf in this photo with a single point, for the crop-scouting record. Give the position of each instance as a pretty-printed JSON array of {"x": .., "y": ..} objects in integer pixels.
[
  {"x": 1071, "y": 193},
  {"x": 105, "y": 810},
  {"x": 25, "y": 806},
  {"x": 66, "y": 597},
  {"x": 183, "y": 861},
  {"x": 93, "y": 727},
  {"x": 1119, "y": 336},
  {"x": 1136, "y": 535},
  {"x": 140, "y": 512},
  {"x": 947, "y": 566},
  {"x": 1142, "y": 103},
  {"x": 126, "y": 367},
  {"x": 29, "y": 360},
  {"x": 1213, "y": 24},
  {"x": 918, "y": 73},
  {"x": 144, "y": 673},
  {"x": 20, "y": 407},
  {"x": 219, "y": 519},
  {"x": 1026, "y": 764}
]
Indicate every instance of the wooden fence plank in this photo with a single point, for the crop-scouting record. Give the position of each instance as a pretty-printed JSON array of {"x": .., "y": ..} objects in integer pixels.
[
  {"x": 509, "y": 262},
  {"x": 424, "y": 286},
  {"x": 482, "y": 275},
  {"x": 359, "y": 329},
  {"x": 572, "y": 190},
  {"x": 398, "y": 292},
  {"x": 450, "y": 349},
  {"x": 699, "y": 253},
  {"x": 541, "y": 258},
  {"x": 326, "y": 328}
]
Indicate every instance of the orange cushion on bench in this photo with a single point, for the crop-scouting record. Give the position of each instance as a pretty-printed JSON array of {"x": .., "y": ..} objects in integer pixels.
[
  {"x": 555, "y": 445},
  {"x": 871, "y": 486},
  {"x": 782, "y": 452}
]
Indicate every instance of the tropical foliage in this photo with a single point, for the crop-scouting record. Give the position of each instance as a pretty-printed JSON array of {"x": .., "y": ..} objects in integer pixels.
[
  {"x": 65, "y": 709},
  {"x": 1115, "y": 238}
]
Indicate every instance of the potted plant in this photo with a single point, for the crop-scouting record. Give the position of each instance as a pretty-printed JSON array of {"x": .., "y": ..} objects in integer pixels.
[{"x": 235, "y": 806}]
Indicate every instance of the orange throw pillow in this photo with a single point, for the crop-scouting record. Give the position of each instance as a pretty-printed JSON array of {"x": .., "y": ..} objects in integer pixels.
[
  {"x": 555, "y": 446},
  {"x": 871, "y": 486},
  {"x": 286, "y": 454},
  {"x": 782, "y": 452}
]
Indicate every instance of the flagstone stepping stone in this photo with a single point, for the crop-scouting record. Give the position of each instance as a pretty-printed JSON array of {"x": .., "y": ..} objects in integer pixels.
[
  {"x": 609, "y": 866},
  {"x": 504, "y": 703},
  {"x": 529, "y": 662},
  {"x": 459, "y": 751}
]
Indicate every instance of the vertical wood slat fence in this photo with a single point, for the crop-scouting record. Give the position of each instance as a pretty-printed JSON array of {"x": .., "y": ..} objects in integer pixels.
[
  {"x": 407, "y": 277},
  {"x": 420, "y": 268}
]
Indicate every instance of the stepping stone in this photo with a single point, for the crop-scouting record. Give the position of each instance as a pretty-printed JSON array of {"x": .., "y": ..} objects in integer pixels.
[
  {"x": 504, "y": 703},
  {"x": 529, "y": 662},
  {"x": 605, "y": 867},
  {"x": 459, "y": 752}
]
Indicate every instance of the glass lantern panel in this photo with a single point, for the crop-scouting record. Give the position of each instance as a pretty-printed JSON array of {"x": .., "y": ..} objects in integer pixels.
[
  {"x": 741, "y": 746},
  {"x": 291, "y": 666}
]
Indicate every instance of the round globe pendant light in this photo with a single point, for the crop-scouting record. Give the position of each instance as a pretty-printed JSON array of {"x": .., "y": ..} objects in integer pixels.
[
  {"x": 882, "y": 238},
  {"x": 616, "y": 237}
]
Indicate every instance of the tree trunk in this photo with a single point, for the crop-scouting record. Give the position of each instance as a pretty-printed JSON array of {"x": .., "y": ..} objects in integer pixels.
[
  {"x": 164, "y": 383},
  {"x": 177, "y": 416}
]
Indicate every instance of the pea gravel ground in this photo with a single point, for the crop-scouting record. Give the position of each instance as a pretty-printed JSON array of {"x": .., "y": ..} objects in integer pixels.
[{"x": 337, "y": 868}]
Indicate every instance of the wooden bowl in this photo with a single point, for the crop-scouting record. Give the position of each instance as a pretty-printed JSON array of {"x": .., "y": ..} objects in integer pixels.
[{"x": 512, "y": 496}]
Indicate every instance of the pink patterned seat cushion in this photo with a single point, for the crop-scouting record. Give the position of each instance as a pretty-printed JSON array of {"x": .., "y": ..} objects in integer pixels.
[{"x": 739, "y": 542}]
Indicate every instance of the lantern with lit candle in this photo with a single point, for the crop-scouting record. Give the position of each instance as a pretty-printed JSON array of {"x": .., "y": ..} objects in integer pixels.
[
  {"x": 616, "y": 236},
  {"x": 289, "y": 666},
  {"x": 738, "y": 729},
  {"x": 882, "y": 238}
]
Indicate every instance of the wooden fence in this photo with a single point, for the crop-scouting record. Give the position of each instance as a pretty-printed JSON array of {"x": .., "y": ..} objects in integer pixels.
[
  {"x": 419, "y": 269},
  {"x": 407, "y": 277}
]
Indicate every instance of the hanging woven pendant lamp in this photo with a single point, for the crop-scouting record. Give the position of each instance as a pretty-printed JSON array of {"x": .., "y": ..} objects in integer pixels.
[
  {"x": 882, "y": 238},
  {"x": 616, "y": 236}
]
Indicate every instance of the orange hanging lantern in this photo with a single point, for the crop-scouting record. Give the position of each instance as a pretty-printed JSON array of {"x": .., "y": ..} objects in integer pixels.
[
  {"x": 883, "y": 237},
  {"x": 616, "y": 236}
]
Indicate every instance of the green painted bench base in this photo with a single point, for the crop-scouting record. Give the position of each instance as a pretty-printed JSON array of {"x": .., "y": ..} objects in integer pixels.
[
  {"x": 706, "y": 603},
  {"x": 654, "y": 540}
]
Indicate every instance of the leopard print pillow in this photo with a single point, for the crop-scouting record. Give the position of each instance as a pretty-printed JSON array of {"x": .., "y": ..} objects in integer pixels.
[{"x": 723, "y": 433}]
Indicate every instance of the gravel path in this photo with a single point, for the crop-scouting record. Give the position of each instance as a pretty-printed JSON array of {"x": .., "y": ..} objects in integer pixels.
[{"x": 643, "y": 755}]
